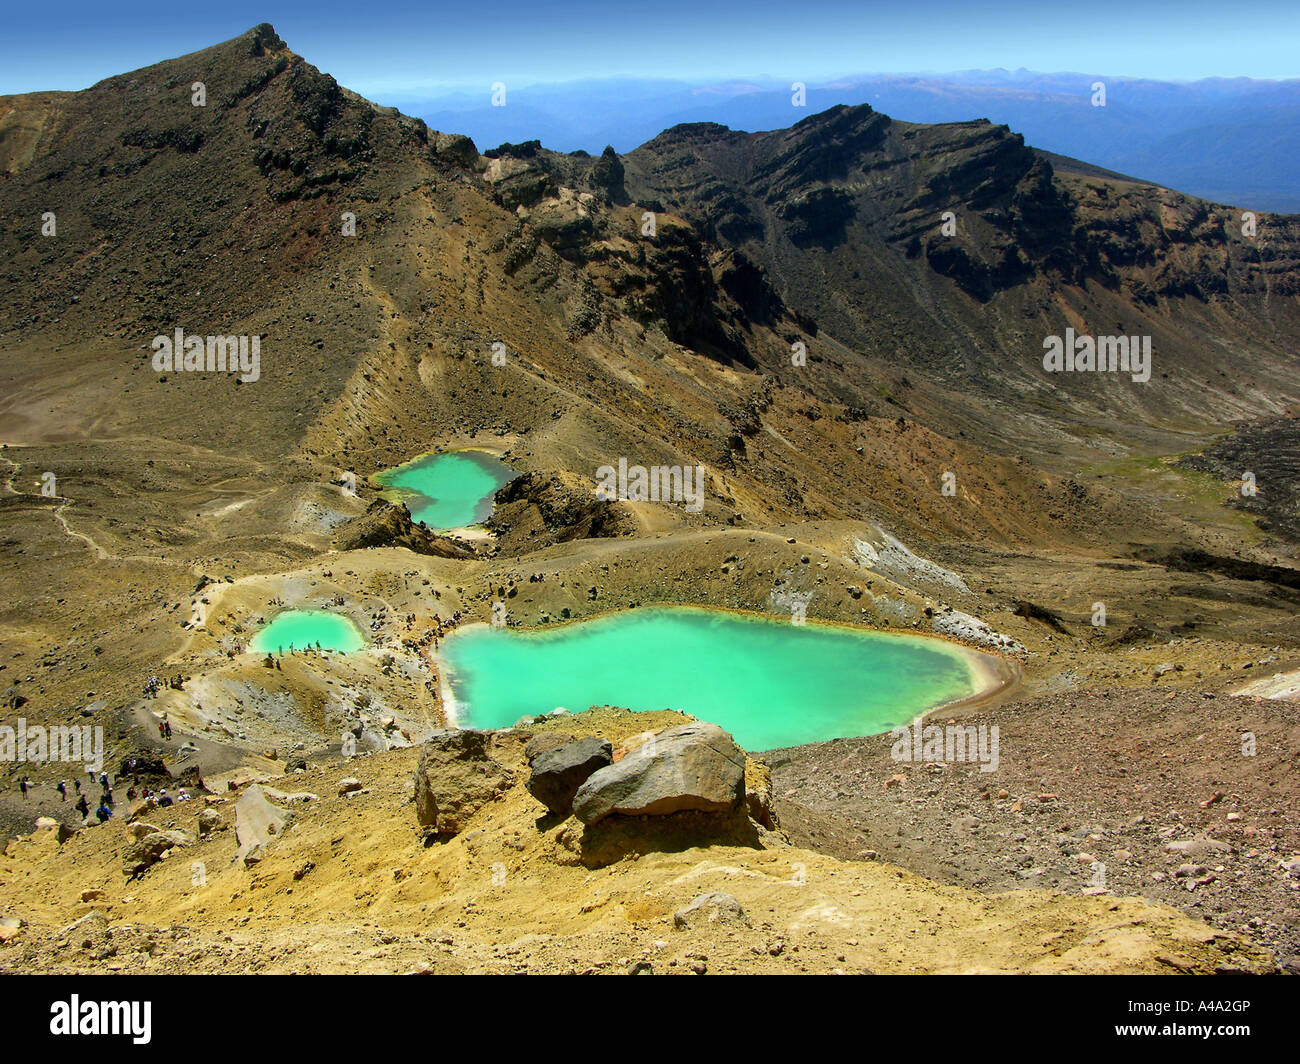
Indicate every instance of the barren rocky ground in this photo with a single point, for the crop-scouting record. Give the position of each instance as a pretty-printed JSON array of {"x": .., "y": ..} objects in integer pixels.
[
  {"x": 1155, "y": 796},
  {"x": 1095, "y": 544}
]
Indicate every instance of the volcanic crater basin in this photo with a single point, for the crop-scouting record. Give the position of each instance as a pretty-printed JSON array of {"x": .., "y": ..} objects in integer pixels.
[
  {"x": 769, "y": 682},
  {"x": 446, "y": 491}
]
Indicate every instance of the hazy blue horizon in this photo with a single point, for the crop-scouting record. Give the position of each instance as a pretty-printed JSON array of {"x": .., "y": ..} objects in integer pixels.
[
  {"x": 767, "y": 82},
  {"x": 400, "y": 48},
  {"x": 476, "y": 93}
]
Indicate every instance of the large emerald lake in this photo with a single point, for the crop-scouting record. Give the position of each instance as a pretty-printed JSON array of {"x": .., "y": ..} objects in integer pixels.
[{"x": 767, "y": 681}]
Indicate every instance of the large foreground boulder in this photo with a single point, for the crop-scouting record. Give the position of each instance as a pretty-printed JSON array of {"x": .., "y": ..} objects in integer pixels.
[
  {"x": 694, "y": 767},
  {"x": 558, "y": 773},
  {"x": 456, "y": 776}
]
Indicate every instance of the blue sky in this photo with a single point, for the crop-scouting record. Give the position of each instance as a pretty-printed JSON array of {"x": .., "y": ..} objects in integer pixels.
[{"x": 395, "y": 48}]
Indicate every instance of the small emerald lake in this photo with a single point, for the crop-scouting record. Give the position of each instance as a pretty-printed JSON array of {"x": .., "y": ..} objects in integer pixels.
[
  {"x": 768, "y": 682},
  {"x": 449, "y": 490},
  {"x": 303, "y": 629}
]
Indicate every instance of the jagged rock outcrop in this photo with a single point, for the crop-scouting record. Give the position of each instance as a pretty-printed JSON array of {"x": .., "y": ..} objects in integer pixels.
[
  {"x": 258, "y": 823},
  {"x": 758, "y": 794},
  {"x": 519, "y": 182},
  {"x": 541, "y": 508},
  {"x": 388, "y": 524},
  {"x": 606, "y": 174},
  {"x": 143, "y": 763},
  {"x": 668, "y": 274},
  {"x": 454, "y": 147}
]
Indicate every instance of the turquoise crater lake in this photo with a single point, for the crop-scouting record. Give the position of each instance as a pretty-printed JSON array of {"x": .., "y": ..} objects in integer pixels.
[
  {"x": 449, "y": 490},
  {"x": 768, "y": 682},
  {"x": 301, "y": 629}
]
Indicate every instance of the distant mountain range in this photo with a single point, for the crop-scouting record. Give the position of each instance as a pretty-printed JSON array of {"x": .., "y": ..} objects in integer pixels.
[
  {"x": 1233, "y": 141},
  {"x": 829, "y": 233}
]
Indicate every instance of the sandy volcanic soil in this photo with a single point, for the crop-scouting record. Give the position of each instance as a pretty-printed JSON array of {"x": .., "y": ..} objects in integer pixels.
[
  {"x": 351, "y": 887},
  {"x": 98, "y": 593}
]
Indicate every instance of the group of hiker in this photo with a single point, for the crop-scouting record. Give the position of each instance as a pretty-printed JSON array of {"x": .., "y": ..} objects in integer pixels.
[
  {"x": 105, "y": 806},
  {"x": 153, "y": 685},
  {"x": 308, "y": 649},
  {"x": 437, "y": 630},
  {"x": 103, "y": 810}
]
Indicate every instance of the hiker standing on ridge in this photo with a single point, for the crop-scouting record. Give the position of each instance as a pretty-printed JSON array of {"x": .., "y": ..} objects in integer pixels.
[
  {"x": 62, "y": 788},
  {"x": 22, "y": 786}
]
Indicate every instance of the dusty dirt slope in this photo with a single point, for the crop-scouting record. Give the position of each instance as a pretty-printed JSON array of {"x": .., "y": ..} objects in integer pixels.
[{"x": 351, "y": 887}]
